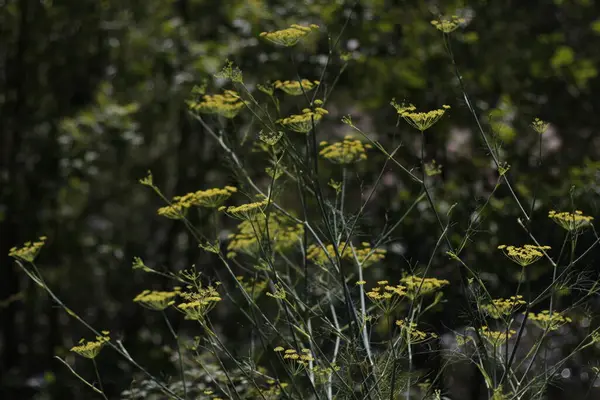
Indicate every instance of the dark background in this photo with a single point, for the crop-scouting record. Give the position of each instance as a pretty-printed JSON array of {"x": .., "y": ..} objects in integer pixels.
[{"x": 92, "y": 96}]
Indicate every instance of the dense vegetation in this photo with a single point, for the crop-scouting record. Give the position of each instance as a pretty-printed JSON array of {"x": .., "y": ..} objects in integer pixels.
[{"x": 404, "y": 190}]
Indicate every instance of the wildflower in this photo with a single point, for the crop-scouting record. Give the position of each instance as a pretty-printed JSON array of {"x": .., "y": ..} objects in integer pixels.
[
  {"x": 228, "y": 104},
  {"x": 385, "y": 296},
  {"x": 412, "y": 334},
  {"x": 346, "y": 152},
  {"x": 524, "y": 256},
  {"x": 210, "y": 198},
  {"x": 296, "y": 88},
  {"x": 270, "y": 138},
  {"x": 549, "y": 322},
  {"x": 229, "y": 71},
  {"x": 247, "y": 212},
  {"x": 448, "y": 24},
  {"x": 278, "y": 349},
  {"x": 419, "y": 120},
  {"x": 496, "y": 338},
  {"x": 279, "y": 292},
  {"x": 417, "y": 286},
  {"x": 29, "y": 251},
  {"x": 156, "y": 300},
  {"x": 92, "y": 348},
  {"x": 199, "y": 302},
  {"x": 571, "y": 221},
  {"x": 539, "y": 126},
  {"x": 289, "y": 36},
  {"x": 503, "y": 307},
  {"x": 296, "y": 361},
  {"x": 365, "y": 255},
  {"x": 173, "y": 211},
  {"x": 303, "y": 123},
  {"x": 360, "y": 283}
]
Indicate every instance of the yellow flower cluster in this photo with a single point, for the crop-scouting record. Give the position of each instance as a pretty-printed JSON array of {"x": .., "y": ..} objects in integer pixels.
[
  {"x": 385, "y": 296},
  {"x": 549, "y": 322},
  {"x": 297, "y": 361},
  {"x": 248, "y": 212},
  {"x": 289, "y": 36},
  {"x": 228, "y": 104},
  {"x": 539, "y": 126},
  {"x": 210, "y": 198},
  {"x": 296, "y": 88},
  {"x": 272, "y": 392},
  {"x": 503, "y": 307},
  {"x": 526, "y": 255},
  {"x": 448, "y": 25},
  {"x": 346, "y": 152},
  {"x": 417, "y": 286},
  {"x": 412, "y": 334},
  {"x": 571, "y": 221},
  {"x": 283, "y": 235},
  {"x": 496, "y": 338},
  {"x": 91, "y": 349},
  {"x": 365, "y": 254},
  {"x": 173, "y": 211},
  {"x": 419, "y": 120},
  {"x": 156, "y": 300},
  {"x": 29, "y": 250},
  {"x": 199, "y": 303},
  {"x": 303, "y": 123}
]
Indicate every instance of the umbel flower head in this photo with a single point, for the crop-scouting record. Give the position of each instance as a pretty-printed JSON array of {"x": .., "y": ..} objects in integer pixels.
[
  {"x": 496, "y": 338},
  {"x": 296, "y": 88},
  {"x": 571, "y": 221},
  {"x": 156, "y": 300},
  {"x": 549, "y": 322},
  {"x": 210, "y": 198},
  {"x": 419, "y": 120},
  {"x": 524, "y": 256},
  {"x": 539, "y": 126},
  {"x": 417, "y": 286},
  {"x": 503, "y": 307},
  {"x": 303, "y": 123},
  {"x": 249, "y": 211},
  {"x": 289, "y": 36},
  {"x": 348, "y": 151},
  {"x": 199, "y": 302},
  {"x": 412, "y": 334},
  {"x": 29, "y": 250},
  {"x": 448, "y": 24},
  {"x": 365, "y": 254},
  {"x": 91, "y": 349},
  {"x": 385, "y": 296},
  {"x": 228, "y": 104}
]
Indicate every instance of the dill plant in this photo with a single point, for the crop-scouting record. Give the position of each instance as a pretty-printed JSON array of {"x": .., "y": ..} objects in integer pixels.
[{"x": 304, "y": 279}]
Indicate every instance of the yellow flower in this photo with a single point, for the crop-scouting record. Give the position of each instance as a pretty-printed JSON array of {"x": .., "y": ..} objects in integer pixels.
[
  {"x": 29, "y": 250},
  {"x": 156, "y": 300},
  {"x": 366, "y": 255},
  {"x": 248, "y": 211},
  {"x": 346, "y": 152},
  {"x": 290, "y": 36},
  {"x": 448, "y": 24},
  {"x": 419, "y": 120},
  {"x": 503, "y": 307},
  {"x": 91, "y": 349},
  {"x": 296, "y": 88},
  {"x": 303, "y": 123},
  {"x": 571, "y": 221},
  {"x": 228, "y": 104},
  {"x": 526, "y": 255},
  {"x": 199, "y": 302},
  {"x": 173, "y": 211},
  {"x": 210, "y": 198},
  {"x": 496, "y": 338},
  {"x": 385, "y": 296},
  {"x": 412, "y": 334},
  {"x": 417, "y": 286},
  {"x": 549, "y": 322}
]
